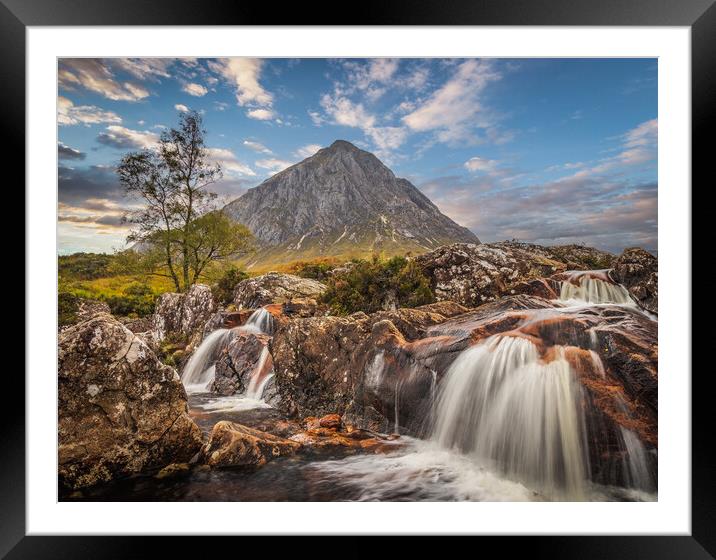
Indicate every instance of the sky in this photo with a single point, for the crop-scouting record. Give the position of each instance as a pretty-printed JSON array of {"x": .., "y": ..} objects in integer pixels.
[{"x": 550, "y": 151}]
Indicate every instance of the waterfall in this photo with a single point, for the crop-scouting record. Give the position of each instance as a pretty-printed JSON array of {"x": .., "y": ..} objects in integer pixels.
[
  {"x": 501, "y": 404},
  {"x": 199, "y": 370},
  {"x": 593, "y": 286},
  {"x": 260, "y": 320},
  {"x": 259, "y": 378}
]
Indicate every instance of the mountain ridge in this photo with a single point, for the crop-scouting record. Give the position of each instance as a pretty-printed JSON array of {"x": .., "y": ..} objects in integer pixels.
[{"x": 342, "y": 201}]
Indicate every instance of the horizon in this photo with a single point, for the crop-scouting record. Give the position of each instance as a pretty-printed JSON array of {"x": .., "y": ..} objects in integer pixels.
[{"x": 547, "y": 151}]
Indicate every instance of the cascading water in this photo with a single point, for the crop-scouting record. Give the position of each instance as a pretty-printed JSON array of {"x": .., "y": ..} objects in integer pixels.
[
  {"x": 199, "y": 370},
  {"x": 500, "y": 403},
  {"x": 261, "y": 320},
  {"x": 593, "y": 286},
  {"x": 259, "y": 378}
]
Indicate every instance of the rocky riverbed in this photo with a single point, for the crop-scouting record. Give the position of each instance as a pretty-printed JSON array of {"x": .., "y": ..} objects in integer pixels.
[{"x": 534, "y": 377}]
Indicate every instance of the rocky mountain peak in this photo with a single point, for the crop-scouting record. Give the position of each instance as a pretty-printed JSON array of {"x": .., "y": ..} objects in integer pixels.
[{"x": 342, "y": 201}]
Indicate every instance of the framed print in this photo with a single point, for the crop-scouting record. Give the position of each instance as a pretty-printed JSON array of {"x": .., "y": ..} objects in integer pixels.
[{"x": 392, "y": 276}]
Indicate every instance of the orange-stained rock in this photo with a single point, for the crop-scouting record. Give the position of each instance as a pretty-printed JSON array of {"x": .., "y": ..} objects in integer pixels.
[
  {"x": 331, "y": 421},
  {"x": 235, "y": 445}
]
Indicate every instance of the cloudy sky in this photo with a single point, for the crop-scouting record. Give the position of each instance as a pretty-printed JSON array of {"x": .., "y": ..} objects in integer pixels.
[{"x": 552, "y": 151}]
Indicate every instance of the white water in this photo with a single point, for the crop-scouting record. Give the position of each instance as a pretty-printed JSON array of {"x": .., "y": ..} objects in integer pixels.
[
  {"x": 500, "y": 404},
  {"x": 591, "y": 289},
  {"x": 199, "y": 370},
  {"x": 261, "y": 320}
]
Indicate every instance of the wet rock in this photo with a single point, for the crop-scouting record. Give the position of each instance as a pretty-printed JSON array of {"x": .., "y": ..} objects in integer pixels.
[
  {"x": 234, "y": 445},
  {"x": 638, "y": 271},
  {"x": 446, "y": 308},
  {"x": 244, "y": 356},
  {"x": 121, "y": 411},
  {"x": 331, "y": 421},
  {"x": 275, "y": 288}
]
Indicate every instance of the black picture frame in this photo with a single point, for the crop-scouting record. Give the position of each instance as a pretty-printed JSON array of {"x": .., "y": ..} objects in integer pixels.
[{"x": 699, "y": 15}]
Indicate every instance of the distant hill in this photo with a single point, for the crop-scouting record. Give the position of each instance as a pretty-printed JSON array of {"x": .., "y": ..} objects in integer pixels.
[{"x": 342, "y": 201}]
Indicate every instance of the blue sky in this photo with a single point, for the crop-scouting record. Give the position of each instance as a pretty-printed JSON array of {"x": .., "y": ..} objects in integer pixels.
[{"x": 551, "y": 151}]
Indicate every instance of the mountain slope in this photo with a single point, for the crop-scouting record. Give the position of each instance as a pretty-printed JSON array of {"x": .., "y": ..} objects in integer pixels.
[{"x": 342, "y": 201}]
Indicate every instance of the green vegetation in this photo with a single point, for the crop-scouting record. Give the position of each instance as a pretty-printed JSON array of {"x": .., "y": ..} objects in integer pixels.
[
  {"x": 370, "y": 286},
  {"x": 223, "y": 288},
  {"x": 84, "y": 266},
  {"x": 316, "y": 269},
  {"x": 67, "y": 306}
]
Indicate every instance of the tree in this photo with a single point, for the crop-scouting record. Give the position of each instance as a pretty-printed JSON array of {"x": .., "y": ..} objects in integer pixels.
[{"x": 178, "y": 232}]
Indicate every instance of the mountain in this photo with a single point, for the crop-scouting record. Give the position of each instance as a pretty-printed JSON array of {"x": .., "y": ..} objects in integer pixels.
[{"x": 342, "y": 201}]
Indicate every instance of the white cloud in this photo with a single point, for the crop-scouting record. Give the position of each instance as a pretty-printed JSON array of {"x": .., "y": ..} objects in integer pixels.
[
  {"x": 121, "y": 137},
  {"x": 144, "y": 68},
  {"x": 181, "y": 107},
  {"x": 197, "y": 90},
  {"x": 260, "y": 114},
  {"x": 273, "y": 164},
  {"x": 229, "y": 162},
  {"x": 257, "y": 147},
  {"x": 455, "y": 109},
  {"x": 93, "y": 75},
  {"x": 478, "y": 164},
  {"x": 307, "y": 151},
  {"x": 244, "y": 75},
  {"x": 638, "y": 146},
  {"x": 70, "y": 114}
]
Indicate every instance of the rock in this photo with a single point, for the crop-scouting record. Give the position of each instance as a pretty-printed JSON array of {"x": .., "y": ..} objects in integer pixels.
[
  {"x": 638, "y": 271},
  {"x": 472, "y": 274},
  {"x": 183, "y": 316},
  {"x": 234, "y": 445},
  {"x": 244, "y": 356},
  {"x": 138, "y": 325},
  {"x": 475, "y": 274},
  {"x": 331, "y": 421},
  {"x": 89, "y": 308},
  {"x": 121, "y": 411},
  {"x": 275, "y": 288},
  {"x": 320, "y": 362},
  {"x": 446, "y": 308}
]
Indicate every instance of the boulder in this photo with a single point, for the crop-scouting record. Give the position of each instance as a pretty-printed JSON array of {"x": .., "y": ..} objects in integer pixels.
[
  {"x": 275, "y": 288},
  {"x": 183, "y": 316},
  {"x": 121, "y": 411},
  {"x": 243, "y": 357},
  {"x": 638, "y": 271},
  {"x": 472, "y": 274},
  {"x": 138, "y": 325},
  {"x": 235, "y": 445}
]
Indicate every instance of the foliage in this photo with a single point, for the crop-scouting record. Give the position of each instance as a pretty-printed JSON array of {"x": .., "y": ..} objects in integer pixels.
[
  {"x": 377, "y": 284},
  {"x": 316, "y": 269},
  {"x": 84, "y": 266},
  {"x": 126, "y": 296},
  {"x": 67, "y": 306},
  {"x": 177, "y": 230},
  {"x": 223, "y": 289}
]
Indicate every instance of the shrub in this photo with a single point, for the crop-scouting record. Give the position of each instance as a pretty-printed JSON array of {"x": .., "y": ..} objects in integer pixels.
[
  {"x": 316, "y": 270},
  {"x": 223, "y": 289},
  {"x": 67, "y": 306},
  {"x": 84, "y": 266},
  {"x": 370, "y": 286}
]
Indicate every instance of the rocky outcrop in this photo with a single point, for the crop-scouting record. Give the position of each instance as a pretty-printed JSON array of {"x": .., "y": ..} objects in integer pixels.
[
  {"x": 183, "y": 316},
  {"x": 638, "y": 271},
  {"x": 329, "y": 433},
  {"x": 320, "y": 363},
  {"x": 475, "y": 274},
  {"x": 234, "y": 445},
  {"x": 244, "y": 356},
  {"x": 275, "y": 288},
  {"x": 121, "y": 411}
]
